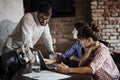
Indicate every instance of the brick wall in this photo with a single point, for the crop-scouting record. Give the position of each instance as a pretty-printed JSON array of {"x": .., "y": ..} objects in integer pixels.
[
  {"x": 107, "y": 15},
  {"x": 105, "y": 12}
]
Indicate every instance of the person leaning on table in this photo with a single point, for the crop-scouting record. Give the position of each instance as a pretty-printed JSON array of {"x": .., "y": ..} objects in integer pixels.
[
  {"x": 96, "y": 60},
  {"x": 31, "y": 27}
]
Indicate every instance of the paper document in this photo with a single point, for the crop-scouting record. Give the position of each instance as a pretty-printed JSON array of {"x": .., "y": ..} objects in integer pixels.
[{"x": 46, "y": 75}]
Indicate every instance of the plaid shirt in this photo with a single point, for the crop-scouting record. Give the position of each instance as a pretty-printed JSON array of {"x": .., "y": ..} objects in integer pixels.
[{"x": 104, "y": 68}]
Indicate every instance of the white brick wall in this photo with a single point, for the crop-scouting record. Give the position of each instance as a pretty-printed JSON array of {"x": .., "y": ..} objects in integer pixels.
[{"x": 109, "y": 20}]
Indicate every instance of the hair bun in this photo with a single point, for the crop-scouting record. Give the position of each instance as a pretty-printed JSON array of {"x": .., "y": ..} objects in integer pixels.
[{"x": 95, "y": 28}]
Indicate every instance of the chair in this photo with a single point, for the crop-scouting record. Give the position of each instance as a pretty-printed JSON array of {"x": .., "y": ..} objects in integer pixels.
[
  {"x": 105, "y": 43},
  {"x": 116, "y": 58}
]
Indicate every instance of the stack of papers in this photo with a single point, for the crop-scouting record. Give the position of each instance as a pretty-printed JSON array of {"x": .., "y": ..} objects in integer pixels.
[{"x": 46, "y": 75}]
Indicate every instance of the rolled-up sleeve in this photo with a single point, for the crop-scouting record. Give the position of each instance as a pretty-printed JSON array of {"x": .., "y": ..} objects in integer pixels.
[
  {"x": 47, "y": 38},
  {"x": 68, "y": 53},
  {"x": 97, "y": 62}
]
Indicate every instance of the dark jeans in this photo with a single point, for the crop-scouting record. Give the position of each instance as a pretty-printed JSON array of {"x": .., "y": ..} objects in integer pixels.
[{"x": 1, "y": 69}]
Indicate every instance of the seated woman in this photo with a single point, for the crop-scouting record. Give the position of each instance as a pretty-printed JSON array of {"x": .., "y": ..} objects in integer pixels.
[
  {"x": 75, "y": 53},
  {"x": 96, "y": 60}
]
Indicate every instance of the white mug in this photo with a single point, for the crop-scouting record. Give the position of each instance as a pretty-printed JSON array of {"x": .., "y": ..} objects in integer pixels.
[{"x": 52, "y": 56}]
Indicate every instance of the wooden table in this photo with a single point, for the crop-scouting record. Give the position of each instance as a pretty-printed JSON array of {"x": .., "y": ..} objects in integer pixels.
[{"x": 27, "y": 69}]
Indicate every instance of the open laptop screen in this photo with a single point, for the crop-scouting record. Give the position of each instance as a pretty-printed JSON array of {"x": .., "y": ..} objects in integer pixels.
[{"x": 44, "y": 66}]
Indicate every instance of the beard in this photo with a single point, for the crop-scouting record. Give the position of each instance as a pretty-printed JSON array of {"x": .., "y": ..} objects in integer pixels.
[{"x": 43, "y": 23}]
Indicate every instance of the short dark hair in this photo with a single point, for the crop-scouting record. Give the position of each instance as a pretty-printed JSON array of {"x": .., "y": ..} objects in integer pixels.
[
  {"x": 80, "y": 25},
  {"x": 45, "y": 8}
]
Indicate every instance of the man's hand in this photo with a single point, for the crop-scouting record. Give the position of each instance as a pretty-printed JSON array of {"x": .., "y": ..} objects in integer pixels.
[
  {"x": 56, "y": 53},
  {"x": 49, "y": 61}
]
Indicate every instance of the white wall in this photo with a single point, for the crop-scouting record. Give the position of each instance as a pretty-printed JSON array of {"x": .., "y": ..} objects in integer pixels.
[{"x": 11, "y": 12}]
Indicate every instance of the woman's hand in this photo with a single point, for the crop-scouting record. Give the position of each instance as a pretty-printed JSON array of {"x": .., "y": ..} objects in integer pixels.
[
  {"x": 94, "y": 46},
  {"x": 63, "y": 68},
  {"x": 88, "y": 52}
]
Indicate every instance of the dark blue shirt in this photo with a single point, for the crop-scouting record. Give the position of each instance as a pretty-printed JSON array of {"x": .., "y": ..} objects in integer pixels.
[{"x": 76, "y": 50}]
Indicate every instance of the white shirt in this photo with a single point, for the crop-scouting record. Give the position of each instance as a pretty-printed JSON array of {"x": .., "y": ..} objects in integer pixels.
[{"x": 28, "y": 31}]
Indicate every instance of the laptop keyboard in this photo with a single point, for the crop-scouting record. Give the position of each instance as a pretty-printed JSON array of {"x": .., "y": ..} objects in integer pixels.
[{"x": 51, "y": 65}]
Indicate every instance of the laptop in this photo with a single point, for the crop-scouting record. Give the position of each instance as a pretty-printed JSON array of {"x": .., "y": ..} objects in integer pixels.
[{"x": 44, "y": 65}]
